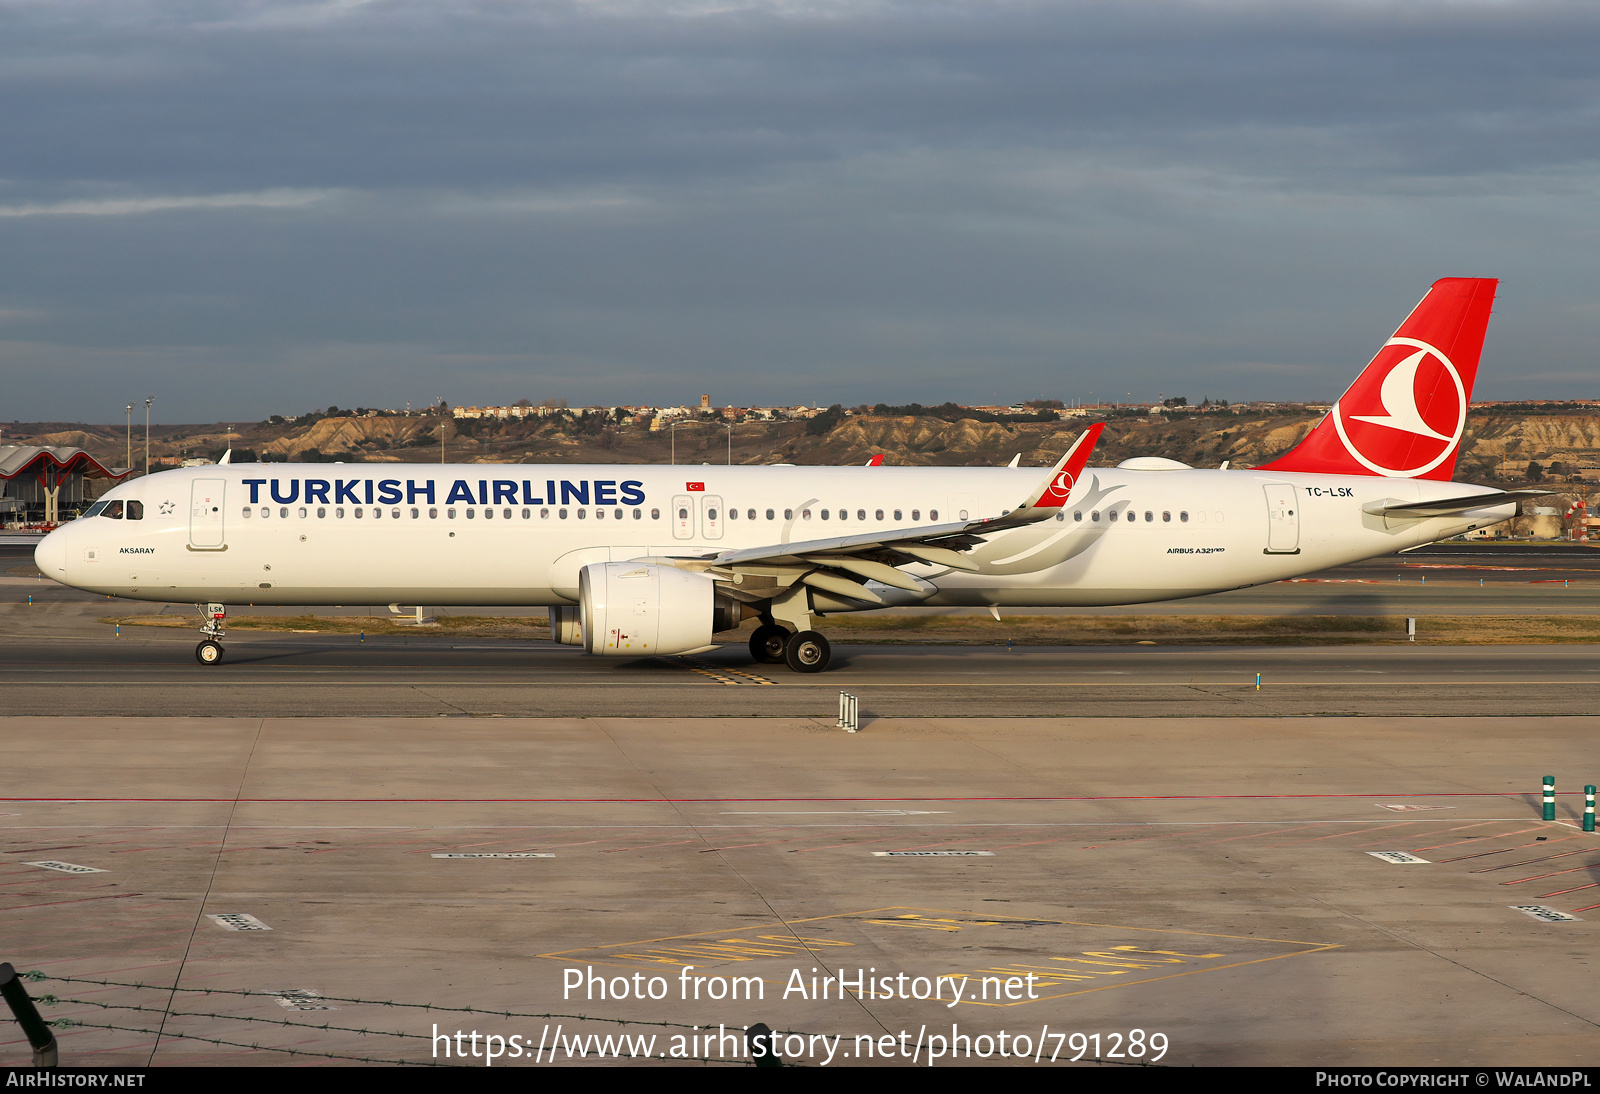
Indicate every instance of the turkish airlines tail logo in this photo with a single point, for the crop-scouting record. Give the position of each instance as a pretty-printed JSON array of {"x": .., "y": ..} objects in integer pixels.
[{"x": 1405, "y": 414}]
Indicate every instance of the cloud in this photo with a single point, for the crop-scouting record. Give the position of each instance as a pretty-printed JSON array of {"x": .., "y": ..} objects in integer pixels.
[
  {"x": 782, "y": 201},
  {"x": 133, "y": 206}
]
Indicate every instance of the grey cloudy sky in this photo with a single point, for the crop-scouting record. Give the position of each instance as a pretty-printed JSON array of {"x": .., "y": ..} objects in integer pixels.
[{"x": 252, "y": 207}]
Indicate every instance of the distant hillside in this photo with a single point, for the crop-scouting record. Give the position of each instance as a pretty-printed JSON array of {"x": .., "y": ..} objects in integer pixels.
[{"x": 1497, "y": 448}]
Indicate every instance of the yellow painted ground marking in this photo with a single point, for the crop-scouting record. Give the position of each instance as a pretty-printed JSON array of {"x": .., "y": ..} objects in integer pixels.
[
  {"x": 720, "y": 674},
  {"x": 1119, "y": 963}
]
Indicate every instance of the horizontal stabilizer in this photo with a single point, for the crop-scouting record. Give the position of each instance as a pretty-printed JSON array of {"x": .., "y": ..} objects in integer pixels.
[{"x": 1448, "y": 507}]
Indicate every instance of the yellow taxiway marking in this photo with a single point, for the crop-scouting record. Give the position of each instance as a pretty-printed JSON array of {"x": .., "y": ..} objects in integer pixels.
[{"x": 1056, "y": 966}]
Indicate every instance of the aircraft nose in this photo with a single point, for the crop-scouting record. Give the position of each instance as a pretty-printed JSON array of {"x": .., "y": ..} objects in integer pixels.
[{"x": 51, "y": 555}]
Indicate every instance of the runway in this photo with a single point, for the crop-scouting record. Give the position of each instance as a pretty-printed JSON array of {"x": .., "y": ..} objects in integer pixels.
[
  {"x": 1344, "y": 867},
  {"x": 268, "y": 675},
  {"x": 1213, "y": 881}
]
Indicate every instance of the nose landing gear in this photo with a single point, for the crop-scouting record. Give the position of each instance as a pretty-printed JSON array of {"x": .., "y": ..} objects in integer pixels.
[{"x": 209, "y": 651}]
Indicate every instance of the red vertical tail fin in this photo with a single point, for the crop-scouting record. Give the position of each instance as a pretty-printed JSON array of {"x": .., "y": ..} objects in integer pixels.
[{"x": 1405, "y": 414}]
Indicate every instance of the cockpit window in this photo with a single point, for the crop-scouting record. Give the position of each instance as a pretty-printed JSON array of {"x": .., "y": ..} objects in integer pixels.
[
  {"x": 114, "y": 511},
  {"x": 135, "y": 510},
  {"x": 95, "y": 509}
]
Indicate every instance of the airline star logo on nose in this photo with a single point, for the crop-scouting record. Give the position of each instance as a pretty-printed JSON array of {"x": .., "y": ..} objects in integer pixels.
[
  {"x": 1396, "y": 396},
  {"x": 166, "y": 508}
]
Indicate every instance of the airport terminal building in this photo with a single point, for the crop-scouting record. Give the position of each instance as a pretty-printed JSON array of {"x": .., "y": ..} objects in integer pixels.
[{"x": 41, "y": 485}]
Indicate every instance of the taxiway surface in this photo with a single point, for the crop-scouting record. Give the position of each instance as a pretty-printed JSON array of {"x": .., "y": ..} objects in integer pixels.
[
  {"x": 1134, "y": 836},
  {"x": 1215, "y": 881}
]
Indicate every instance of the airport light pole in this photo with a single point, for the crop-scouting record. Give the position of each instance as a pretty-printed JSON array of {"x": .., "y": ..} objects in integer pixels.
[
  {"x": 148, "y": 399},
  {"x": 128, "y": 461}
]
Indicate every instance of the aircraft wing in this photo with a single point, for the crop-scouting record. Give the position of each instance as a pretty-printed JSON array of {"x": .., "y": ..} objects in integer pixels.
[{"x": 841, "y": 564}]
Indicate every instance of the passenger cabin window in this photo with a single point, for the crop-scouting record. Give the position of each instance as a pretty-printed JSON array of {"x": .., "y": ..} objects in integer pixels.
[
  {"x": 1184, "y": 516},
  {"x": 933, "y": 514},
  {"x": 750, "y": 514},
  {"x": 1112, "y": 516},
  {"x": 1166, "y": 517},
  {"x": 1078, "y": 516},
  {"x": 916, "y": 514},
  {"x": 861, "y": 514},
  {"x": 655, "y": 514},
  {"x": 897, "y": 515},
  {"x": 284, "y": 512},
  {"x": 321, "y": 512}
]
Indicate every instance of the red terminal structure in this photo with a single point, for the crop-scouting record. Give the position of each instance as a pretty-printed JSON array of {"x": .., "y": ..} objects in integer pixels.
[{"x": 39, "y": 484}]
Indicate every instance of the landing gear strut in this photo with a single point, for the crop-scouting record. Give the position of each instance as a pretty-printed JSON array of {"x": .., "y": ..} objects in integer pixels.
[{"x": 209, "y": 651}]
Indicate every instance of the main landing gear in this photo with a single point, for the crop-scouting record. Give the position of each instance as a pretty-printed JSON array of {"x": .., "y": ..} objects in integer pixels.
[
  {"x": 803, "y": 651},
  {"x": 209, "y": 651}
]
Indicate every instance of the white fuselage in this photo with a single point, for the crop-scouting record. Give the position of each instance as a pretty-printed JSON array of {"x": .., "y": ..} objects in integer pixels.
[{"x": 485, "y": 534}]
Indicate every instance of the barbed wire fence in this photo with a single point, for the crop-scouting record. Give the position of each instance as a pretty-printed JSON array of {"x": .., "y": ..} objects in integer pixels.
[{"x": 577, "y": 1047}]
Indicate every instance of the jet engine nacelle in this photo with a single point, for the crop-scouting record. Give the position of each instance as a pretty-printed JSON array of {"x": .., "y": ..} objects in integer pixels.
[{"x": 635, "y": 609}]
